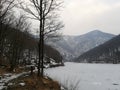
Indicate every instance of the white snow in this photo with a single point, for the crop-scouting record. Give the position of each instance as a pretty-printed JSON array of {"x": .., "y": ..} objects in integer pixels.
[
  {"x": 81, "y": 76},
  {"x": 8, "y": 77},
  {"x": 22, "y": 84}
]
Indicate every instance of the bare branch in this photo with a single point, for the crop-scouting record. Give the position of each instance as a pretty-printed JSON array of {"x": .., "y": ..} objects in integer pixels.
[
  {"x": 7, "y": 8},
  {"x": 49, "y": 9},
  {"x": 28, "y": 10}
]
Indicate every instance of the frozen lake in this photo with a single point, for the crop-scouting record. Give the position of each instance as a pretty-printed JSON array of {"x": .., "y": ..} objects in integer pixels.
[{"x": 81, "y": 76}]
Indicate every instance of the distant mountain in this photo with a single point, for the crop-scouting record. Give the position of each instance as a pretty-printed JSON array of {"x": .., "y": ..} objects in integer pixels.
[
  {"x": 108, "y": 52},
  {"x": 73, "y": 46}
]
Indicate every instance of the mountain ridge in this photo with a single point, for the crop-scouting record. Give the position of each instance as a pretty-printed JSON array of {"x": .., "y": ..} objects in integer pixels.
[
  {"x": 72, "y": 46},
  {"x": 108, "y": 52}
]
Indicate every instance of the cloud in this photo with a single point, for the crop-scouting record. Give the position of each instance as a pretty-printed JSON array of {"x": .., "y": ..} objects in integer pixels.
[{"x": 81, "y": 16}]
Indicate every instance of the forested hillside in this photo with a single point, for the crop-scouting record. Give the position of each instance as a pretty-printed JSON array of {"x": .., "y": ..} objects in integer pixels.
[
  {"x": 19, "y": 47},
  {"x": 17, "y": 44},
  {"x": 109, "y": 52},
  {"x": 73, "y": 46}
]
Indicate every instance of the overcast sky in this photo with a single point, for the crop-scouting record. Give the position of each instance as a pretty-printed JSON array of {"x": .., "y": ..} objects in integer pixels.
[{"x": 82, "y": 16}]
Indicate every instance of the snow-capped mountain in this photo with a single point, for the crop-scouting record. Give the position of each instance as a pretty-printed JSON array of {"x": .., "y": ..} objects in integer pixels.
[{"x": 73, "y": 46}]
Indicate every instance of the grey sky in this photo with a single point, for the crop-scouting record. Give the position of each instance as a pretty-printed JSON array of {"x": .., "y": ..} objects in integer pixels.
[{"x": 82, "y": 16}]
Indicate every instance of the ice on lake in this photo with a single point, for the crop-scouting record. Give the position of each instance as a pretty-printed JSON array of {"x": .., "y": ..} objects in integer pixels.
[{"x": 83, "y": 76}]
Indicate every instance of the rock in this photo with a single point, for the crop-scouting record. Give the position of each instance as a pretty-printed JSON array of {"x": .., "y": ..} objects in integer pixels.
[
  {"x": 0, "y": 77},
  {"x": 115, "y": 84}
]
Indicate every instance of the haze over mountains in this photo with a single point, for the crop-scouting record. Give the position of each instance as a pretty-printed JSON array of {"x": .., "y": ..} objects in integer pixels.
[
  {"x": 108, "y": 52},
  {"x": 73, "y": 46}
]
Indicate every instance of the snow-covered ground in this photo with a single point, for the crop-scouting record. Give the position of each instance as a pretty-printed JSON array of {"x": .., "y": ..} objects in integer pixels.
[
  {"x": 81, "y": 76},
  {"x": 8, "y": 77}
]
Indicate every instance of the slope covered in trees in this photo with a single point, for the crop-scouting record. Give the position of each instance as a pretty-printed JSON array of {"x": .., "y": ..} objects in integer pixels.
[
  {"x": 109, "y": 52},
  {"x": 17, "y": 45},
  {"x": 20, "y": 48}
]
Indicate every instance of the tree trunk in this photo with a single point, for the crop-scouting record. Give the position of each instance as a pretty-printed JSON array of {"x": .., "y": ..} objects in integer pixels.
[{"x": 40, "y": 41}]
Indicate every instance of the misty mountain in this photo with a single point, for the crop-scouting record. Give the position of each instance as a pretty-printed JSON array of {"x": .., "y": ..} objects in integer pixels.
[
  {"x": 73, "y": 46},
  {"x": 109, "y": 52}
]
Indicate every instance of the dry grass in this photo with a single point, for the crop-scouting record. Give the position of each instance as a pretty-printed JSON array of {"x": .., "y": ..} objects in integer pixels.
[
  {"x": 3, "y": 71},
  {"x": 17, "y": 70},
  {"x": 33, "y": 82}
]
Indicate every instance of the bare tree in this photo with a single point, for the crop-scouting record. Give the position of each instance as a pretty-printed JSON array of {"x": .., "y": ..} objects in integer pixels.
[
  {"x": 6, "y": 7},
  {"x": 44, "y": 12},
  {"x": 17, "y": 42}
]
